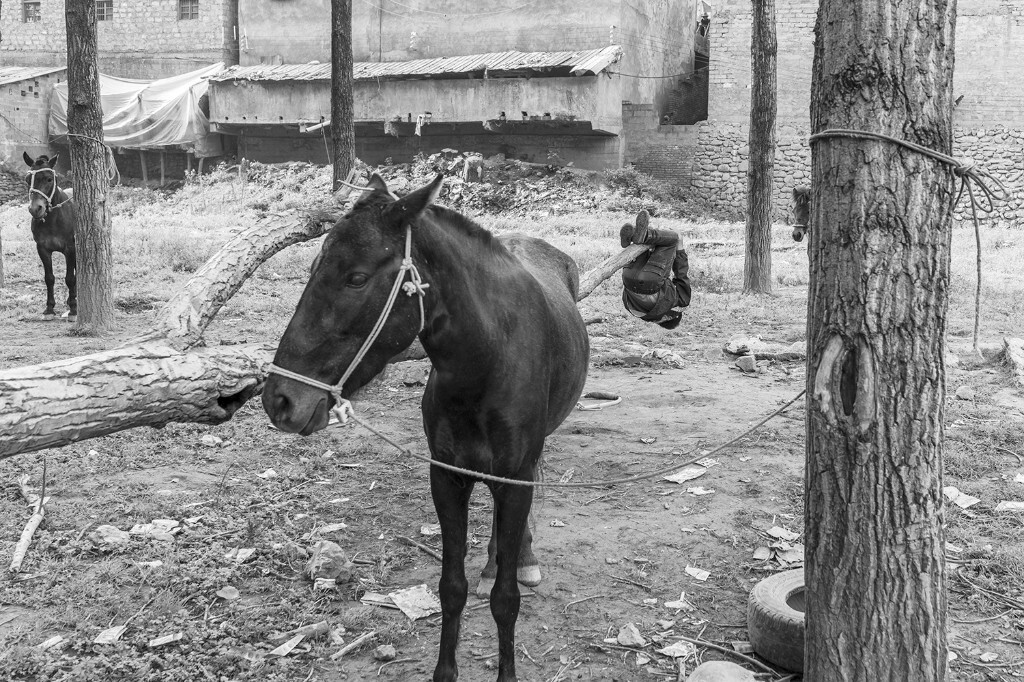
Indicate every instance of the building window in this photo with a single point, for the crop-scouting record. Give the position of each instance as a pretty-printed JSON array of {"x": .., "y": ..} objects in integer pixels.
[
  {"x": 30, "y": 11},
  {"x": 104, "y": 10},
  {"x": 188, "y": 9}
]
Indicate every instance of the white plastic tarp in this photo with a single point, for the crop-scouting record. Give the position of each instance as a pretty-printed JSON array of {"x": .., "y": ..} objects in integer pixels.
[{"x": 148, "y": 114}]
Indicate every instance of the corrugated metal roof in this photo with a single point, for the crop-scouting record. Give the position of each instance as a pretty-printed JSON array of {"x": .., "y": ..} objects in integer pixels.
[
  {"x": 16, "y": 74},
  {"x": 579, "y": 63}
]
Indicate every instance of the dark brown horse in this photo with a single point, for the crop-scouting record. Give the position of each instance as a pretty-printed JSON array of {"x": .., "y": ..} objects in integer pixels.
[
  {"x": 509, "y": 356},
  {"x": 801, "y": 212},
  {"x": 53, "y": 228}
]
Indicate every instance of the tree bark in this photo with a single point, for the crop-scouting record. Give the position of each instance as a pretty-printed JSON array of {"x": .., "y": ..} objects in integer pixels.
[
  {"x": 95, "y": 271},
  {"x": 343, "y": 136},
  {"x": 879, "y": 276},
  {"x": 165, "y": 376},
  {"x": 757, "y": 261}
]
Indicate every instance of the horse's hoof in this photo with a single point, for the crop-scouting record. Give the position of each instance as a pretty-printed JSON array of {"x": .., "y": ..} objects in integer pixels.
[
  {"x": 484, "y": 587},
  {"x": 71, "y": 318},
  {"x": 528, "y": 575},
  {"x": 49, "y": 317}
]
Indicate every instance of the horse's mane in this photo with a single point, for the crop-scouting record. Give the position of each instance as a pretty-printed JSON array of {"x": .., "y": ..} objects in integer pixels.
[{"x": 468, "y": 227}]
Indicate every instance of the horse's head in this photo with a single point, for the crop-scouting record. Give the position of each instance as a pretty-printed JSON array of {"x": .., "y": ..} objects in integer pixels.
[
  {"x": 350, "y": 284},
  {"x": 42, "y": 184},
  {"x": 801, "y": 212}
]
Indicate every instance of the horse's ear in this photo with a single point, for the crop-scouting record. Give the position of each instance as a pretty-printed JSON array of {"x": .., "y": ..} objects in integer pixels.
[
  {"x": 413, "y": 204},
  {"x": 53, "y": 162},
  {"x": 28, "y": 159},
  {"x": 377, "y": 184}
]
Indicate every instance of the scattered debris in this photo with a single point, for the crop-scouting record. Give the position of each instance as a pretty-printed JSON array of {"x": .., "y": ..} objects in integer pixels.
[
  {"x": 720, "y": 671},
  {"x": 665, "y": 355},
  {"x": 678, "y": 649},
  {"x": 109, "y": 537},
  {"x": 385, "y": 652},
  {"x": 700, "y": 490},
  {"x": 1010, "y": 506},
  {"x": 166, "y": 639},
  {"x": 555, "y": 523},
  {"x": 762, "y": 554},
  {"x": 687, "y": 473},
  {"x": 742, "y": 647},
  {"x": 416, "y": 602},
  {"x": 211, "y": 441},
  {"x": 110, "y": 635},
  {"x": 698, "y": 573},
  {"x": 240, "y": 555},
  {"x": 311, "y": 630},
  {"x": 228, "y": 593},
  {"x": 268, "y": 474},
  {"x": 747, "y": 363},
  {"x": 629, "y": 635},
  {"x": 965, "y": 393},
  {"x": 648, "y": 441},
  {"x": 328, "y": 560},
  {"x": 286, "y": 648},
  {"x": 988, "y": 657},
  {"x": 158, "y": 529},
  {"x": 681, "y": 604},
  {"x": 354, "y": 644},
  {"x": 430, "y": 529},
  {"x": 423, "y": 548},
  {"x": 783, "y": 534},
  {"x": 38, "y": 503},
  {"x": 50, "y": 643},
  {"x": 962, "y": 500}
]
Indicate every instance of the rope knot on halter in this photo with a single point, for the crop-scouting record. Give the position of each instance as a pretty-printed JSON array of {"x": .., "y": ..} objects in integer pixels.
[{"x": 343, "y": 408}]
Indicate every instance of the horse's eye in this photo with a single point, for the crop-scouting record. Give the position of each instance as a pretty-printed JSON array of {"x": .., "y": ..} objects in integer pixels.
[{"x": 357, "y": 279}]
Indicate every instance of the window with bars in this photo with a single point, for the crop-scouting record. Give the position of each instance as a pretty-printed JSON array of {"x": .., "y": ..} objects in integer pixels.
[
  {"x": 104, "y": 10},
  {"x": 30, "y": 11},
  {"x": 188, "y": 9}
]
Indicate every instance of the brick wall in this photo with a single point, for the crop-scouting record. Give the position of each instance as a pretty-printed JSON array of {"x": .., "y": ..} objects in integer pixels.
[
  {"x": 663, "y": 151},
  {"x": 24, "y": 111},
  {"x": 143, "y": 38},
  {"x": 989, "y": 122}
]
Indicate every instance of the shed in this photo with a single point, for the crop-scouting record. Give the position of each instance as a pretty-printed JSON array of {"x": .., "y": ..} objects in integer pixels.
[
  {"x": 24, "y": 105},
  {"x": 528, "y": 105}
]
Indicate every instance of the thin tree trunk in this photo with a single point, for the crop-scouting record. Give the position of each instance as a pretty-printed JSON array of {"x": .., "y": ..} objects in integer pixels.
[
  {"x": 879, "y": 277},
  {"x": 95, "y": 271},
  {"x": 757, "y": 262},
  {"x": 343, "y": 136}
]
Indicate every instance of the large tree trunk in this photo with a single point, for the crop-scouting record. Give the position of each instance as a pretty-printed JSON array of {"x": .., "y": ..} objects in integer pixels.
[
  {"x": 95, "y": 272},
  {"x": 757, "y": 262},
  {"x": 879, "y": 277},
  {"x": 166, "y": 376},
  {"x": 343, "y": 136}
]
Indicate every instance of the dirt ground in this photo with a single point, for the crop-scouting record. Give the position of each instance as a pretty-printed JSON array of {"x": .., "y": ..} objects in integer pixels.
[{"x": 610, "y": 556}]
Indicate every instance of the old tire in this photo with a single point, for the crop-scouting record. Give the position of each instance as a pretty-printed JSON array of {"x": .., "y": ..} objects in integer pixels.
[{"x": 774, "y": 626}]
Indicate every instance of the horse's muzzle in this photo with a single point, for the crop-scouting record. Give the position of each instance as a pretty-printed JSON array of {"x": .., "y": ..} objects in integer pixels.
[
  {"x": 798, "y": 233},
  {"x": 294, "y": 407}
]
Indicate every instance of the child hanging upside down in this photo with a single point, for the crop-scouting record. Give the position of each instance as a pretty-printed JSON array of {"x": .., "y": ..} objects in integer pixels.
[{"x": 656, "y": 283}]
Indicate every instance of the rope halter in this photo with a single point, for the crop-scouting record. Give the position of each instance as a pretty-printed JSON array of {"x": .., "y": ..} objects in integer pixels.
[
  {"x": 53, "y": 190},
  {"x": 415, "y": 286}
]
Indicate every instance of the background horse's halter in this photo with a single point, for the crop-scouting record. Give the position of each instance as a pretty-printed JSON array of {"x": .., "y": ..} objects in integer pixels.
[
  {"x": 343, "y": 408},
  {"x": 50, "y": 206}
]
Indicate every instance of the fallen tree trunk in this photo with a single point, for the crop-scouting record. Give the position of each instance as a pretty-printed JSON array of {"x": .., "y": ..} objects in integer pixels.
[{"x": 167, "y": 376}]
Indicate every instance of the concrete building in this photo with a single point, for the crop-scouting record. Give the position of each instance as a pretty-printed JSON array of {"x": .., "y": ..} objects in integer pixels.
[
  {"x": 989, "y": 119},
  {"x": 152, "y": 39},
  {"x": 24, "y": 108},
  {"x": 594, "y": 80}
]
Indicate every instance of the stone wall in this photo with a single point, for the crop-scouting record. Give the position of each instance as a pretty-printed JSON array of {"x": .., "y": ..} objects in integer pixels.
[
  {"x": 665, "y": 152},
  {"x": 989, "y": 121},
  {"x": 143, "y": 38}
]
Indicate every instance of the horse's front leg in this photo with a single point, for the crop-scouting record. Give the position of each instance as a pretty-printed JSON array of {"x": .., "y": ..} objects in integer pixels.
[
  {"x": 46, "y": 256},
  {"x": 451, "y": 501},
  {"x": 512, "y": 507},
  {"x": 71, "y": 279}
]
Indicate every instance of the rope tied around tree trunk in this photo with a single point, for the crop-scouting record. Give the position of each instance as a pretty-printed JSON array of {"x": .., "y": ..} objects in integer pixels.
[
  {"x": 113, "y": 174},
  {"x": 970, "y": 176}
]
